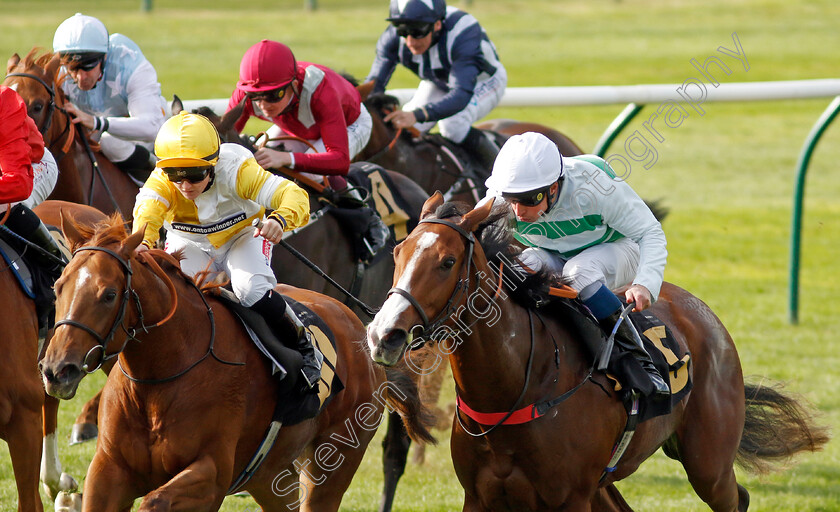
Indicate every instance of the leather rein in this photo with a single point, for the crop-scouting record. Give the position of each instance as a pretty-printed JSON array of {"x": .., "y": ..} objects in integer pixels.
[{"x": 131, "y": 332}]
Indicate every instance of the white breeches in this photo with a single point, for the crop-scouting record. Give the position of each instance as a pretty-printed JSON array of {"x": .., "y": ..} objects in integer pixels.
[
  {"x": 245, "y": 260},
  {"x": 486, "y": 96},
  {"x": 45, "y": 174},
  {"x": 614, "y": 264}
]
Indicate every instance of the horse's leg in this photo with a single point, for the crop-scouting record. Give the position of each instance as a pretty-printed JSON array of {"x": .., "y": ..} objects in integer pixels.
[
  {"x": 395, "y": 447},
  {"x": 85, "y": 428},
  {"x": 197, "y": 487},
  {"x": 23, "y": 435},
  {"x": 707, "y": 448},
  {"x": 325, "y": 493},
  {"x": 107, "y": 486},
  {"x": 52, "y": 478}
]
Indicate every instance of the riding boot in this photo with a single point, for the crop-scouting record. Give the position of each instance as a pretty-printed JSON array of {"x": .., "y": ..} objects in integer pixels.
[
  {"x": 479, "y": 144},
  {"x": 376, "y": 233},
  {"x": 139, "y": 165},
  {"x": 269, "y": 306},
  {"x": 28, "y": 225},
  {"x": 628, "y": 339}
]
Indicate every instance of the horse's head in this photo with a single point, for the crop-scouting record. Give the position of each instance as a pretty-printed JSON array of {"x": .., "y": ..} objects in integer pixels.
[
  {"x": 36, "y": 81},
  {"x": 431, "y": 277},
  {"x": 91, "y": 302}
]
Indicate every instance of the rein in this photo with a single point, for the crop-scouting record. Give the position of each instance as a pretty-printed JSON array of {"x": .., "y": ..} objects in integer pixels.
[
  {"x": 131, "y": 332},
  {"x": 515, "y": 415}
]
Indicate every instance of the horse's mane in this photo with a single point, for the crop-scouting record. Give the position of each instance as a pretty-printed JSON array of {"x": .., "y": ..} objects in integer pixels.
[
  {"x": 382, "y": 103},
  {"x": 500, "y": 247}
]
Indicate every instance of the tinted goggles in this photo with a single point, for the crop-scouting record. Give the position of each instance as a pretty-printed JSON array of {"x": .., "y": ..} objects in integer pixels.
[
  {"x": 415, "y": 30},
  {"x": 190, "y": 174},
  {"x": 76, "y": 62},
  {"x": 272, "y": 96},
  {"x": 530, "y": 198}
]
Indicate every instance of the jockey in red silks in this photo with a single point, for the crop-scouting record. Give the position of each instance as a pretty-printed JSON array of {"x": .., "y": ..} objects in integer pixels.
[
  {"x": 314, "y": 103},
  {"x": 304, "y": 100},
  {"x": 24, "y": 161}
]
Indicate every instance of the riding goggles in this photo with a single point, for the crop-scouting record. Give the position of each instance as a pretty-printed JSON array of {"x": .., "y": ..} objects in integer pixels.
[
  {"x": 272, "y": 96},
  {"x": 190, "y": 174},
  {"x": 82, "y": 61},
  {"x": 530, "y": 198},
  {"x": 415, "y": 30}
]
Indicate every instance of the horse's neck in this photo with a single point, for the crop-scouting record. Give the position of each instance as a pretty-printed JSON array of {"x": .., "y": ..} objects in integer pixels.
[
  {"x": 171, "y": 346},
  {"x": 494, "y": 345}
]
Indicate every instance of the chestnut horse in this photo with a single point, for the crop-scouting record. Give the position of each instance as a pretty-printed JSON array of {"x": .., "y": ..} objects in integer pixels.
[
  {"x": 86, "y": 176},
  {"x": 432, "y": 165},
  {"x": 506, "y": 356},
  {"x": 179, "y": 426},
  {"x": 27, "y": 415}
]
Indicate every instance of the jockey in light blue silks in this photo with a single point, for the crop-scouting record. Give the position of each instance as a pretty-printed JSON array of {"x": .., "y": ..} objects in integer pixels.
[{"x": 113, "y": 91}]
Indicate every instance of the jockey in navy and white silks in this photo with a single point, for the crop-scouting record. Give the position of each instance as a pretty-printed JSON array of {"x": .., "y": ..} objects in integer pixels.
[
  {"x": 462, "y": 77},
  {"x": 582, "y": 223},
  {"x": 113, "y": 90}
]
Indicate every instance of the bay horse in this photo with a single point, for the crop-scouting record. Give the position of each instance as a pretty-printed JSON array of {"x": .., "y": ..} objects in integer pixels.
[
  {"x": 194, "y": 395},
  {"x": 506, "y": 355},
  {"x": 432, "y": 165},
  {"x": 86, "y": 176},
  {"x": 26, "y": 416}
]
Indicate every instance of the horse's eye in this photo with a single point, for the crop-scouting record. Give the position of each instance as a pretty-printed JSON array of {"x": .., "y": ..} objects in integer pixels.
[
  {"x": 109, "y": 296},
  {"x": 448, "y": 263},
  {"x": 37, "y": 108}
]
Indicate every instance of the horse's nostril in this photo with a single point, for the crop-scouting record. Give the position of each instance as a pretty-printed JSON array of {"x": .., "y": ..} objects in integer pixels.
[{"x": 395, "y": 338}]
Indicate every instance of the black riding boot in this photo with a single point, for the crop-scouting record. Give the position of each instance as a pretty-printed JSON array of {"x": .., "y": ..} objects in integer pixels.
[
  {"x": 482, "y": 147},
  {"x": 627, "y": 338},
  {"x": 269, "y": 306},
  {"x": 139, "y": 165},
  {"x": 28, "y": 225},
  {"x": 376, "y": 233}
]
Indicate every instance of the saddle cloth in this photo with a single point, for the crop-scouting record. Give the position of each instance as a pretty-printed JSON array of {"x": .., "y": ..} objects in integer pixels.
[
  {"x": 672, "y": 361},
  {"x": 295, "y": 406}
]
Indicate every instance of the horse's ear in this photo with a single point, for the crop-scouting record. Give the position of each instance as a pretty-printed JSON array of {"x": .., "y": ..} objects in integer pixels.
[
  {"x": 177, "y": 105},
  {"x": 230, "y": 117},
  {"x": 365, "y": 89},
  {"x": 51, "y": 69},
  {"x": 431, "y": 204},
  {"x": 131, "y": 243},
  {"x": 12, "y": 63},
  {"x": 474, "y": 217},
  {"x": 70, "y": 229}
]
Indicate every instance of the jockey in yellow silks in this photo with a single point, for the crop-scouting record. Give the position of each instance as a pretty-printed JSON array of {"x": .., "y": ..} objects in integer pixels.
[{"x": 206, "y": 195}]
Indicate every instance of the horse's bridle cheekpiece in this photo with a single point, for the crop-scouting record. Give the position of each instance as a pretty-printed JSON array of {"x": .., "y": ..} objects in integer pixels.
[{"x": 461, "y": 289}]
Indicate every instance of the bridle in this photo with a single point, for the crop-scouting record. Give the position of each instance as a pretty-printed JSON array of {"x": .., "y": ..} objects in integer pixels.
[
  {"x": 47, "y": 122},
  {"x": 460, "y": 290},
  {"x": 131, "y": 332},
  {"x": 103, "y": 341}
]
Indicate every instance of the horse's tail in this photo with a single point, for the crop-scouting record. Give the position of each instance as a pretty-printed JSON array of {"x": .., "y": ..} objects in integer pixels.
[
  {"x": 404, "y": 398},
  {"x": 776, "y": 427}
]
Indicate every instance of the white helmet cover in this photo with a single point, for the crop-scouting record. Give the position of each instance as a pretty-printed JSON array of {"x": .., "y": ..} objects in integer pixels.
[
  {"x": 526, "y": 162},
  {"x": 79, "y": 34}
]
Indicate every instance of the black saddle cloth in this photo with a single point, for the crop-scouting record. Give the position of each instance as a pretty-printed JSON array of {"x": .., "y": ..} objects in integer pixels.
[{"x": 295, "y": 404}]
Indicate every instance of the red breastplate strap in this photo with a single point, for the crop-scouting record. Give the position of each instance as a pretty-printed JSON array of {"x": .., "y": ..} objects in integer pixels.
[{"x": 519, "y": 416}]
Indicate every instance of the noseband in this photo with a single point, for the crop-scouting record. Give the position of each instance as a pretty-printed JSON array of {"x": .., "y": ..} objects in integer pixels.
[
  {"x": 102, "y": 341},
  {"x": 458, "y": 292}
]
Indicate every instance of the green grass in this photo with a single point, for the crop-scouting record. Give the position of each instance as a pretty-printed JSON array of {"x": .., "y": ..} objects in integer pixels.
[{"x": 728, "y": 176}]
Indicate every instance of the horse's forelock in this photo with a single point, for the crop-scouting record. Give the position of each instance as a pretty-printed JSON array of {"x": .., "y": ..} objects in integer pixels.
[{"x": 111, "y": 231}]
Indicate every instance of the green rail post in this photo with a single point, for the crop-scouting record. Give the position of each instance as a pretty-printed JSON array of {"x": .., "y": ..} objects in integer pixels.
[
  {"x": 798, "y": 198},
  {"x": 618, "y": 124},
  {"x": 310, "y": 5},
  {"x": 146, "y": 5}
]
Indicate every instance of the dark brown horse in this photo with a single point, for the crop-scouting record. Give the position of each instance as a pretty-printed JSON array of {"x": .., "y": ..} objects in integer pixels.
[
  {"x": 181, "y": 434},
  {"x": 506, "y": 356},
  {"x": 431, "y": 162},
  {"x": 25, "y": 415},
  {"x": 86, "y": 176}
]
